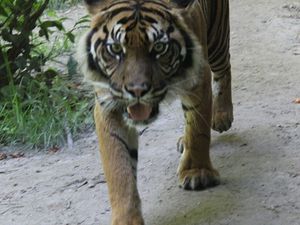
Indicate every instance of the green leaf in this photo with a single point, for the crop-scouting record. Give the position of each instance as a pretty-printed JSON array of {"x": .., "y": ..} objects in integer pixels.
[
  {"x": 52, "y": 13},
  {"x": 3, "y": 11},
  {"x": 44, "y": 32},
  {"x": 21, "y": 62},
  {"x": 52, "y": 23},
  {"x": 70, "y": 36},
  {"x": 84, "y": 19}
]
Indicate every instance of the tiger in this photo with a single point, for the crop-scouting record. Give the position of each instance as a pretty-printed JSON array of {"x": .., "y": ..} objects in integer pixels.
[{"x": 136, "y": 54}]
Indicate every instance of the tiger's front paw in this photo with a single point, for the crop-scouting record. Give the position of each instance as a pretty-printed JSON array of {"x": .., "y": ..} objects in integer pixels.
[
  {"x": 222, "y": 120},
  {"x": 128, "y": 220},
  {"x": 198, "y": 179}
]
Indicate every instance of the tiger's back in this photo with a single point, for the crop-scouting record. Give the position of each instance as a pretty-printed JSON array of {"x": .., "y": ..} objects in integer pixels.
[{"x": 213, "y": 18}]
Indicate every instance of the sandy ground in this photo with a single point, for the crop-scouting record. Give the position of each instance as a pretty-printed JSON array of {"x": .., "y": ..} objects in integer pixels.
[{"x": 259, "y": 158}]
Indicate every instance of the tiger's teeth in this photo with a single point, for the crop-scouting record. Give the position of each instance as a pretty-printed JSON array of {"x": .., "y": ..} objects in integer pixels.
[{"x": 139, "y": 112}]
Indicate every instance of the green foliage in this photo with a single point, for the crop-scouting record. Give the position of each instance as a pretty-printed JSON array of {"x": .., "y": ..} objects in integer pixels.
[
  {"x": 38, "y": 105},
  {"x": 18, "y": 21},
  {"x": 42, "y": 112}
]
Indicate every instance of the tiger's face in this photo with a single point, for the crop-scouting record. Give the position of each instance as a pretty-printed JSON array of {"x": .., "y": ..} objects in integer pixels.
[{"x": 136, "y": 53}]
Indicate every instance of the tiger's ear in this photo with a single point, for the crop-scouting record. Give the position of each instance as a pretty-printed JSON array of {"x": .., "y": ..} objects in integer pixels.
[{"x": 95, "y": 6}]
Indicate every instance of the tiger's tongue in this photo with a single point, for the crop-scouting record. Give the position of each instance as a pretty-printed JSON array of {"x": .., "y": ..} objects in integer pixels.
[{"x": 139, "y": 112}]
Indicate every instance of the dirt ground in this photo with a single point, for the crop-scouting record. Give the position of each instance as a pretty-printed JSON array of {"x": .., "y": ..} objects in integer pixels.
[{"x": 258, "y": 159}]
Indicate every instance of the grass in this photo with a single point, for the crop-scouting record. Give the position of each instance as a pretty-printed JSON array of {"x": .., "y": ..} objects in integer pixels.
[{"x": 42, "y": 114}]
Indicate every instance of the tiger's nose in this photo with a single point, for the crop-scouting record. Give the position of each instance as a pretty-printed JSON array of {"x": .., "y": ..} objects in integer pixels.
[{"x": 138, "y": 90}]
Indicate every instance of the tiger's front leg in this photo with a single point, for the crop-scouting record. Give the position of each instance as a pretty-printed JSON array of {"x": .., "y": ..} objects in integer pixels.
[
  {"x": 118, "y": 148},
  {"x": 195, "y": 170}
]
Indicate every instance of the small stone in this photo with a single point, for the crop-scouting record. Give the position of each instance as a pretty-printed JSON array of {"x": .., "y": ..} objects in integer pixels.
[
  {"x": 3, "y": 156},
  {"x": 91, "y": 185}
]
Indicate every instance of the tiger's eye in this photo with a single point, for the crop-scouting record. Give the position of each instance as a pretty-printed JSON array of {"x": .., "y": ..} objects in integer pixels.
[
  {"x": 159, "y": 47},
  {"x": 116, "y": 48}
]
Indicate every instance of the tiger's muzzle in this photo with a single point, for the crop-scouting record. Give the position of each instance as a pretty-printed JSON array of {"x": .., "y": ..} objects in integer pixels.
[{"x": 142, "y": 102}]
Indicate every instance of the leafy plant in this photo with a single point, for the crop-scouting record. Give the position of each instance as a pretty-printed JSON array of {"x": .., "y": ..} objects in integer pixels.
[
  {"x": 38, "y": 105},
  {"x": 43, "y": 116},
  {"x": 18, "y": 21},
  {"x": 43, "y": 113}
]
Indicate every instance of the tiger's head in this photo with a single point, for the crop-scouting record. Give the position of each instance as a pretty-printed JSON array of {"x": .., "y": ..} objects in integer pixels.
[{"x": 136, "y": 52}]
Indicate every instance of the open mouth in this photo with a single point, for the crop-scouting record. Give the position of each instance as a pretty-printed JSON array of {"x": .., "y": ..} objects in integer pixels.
[{"x": 140, "y": 112}]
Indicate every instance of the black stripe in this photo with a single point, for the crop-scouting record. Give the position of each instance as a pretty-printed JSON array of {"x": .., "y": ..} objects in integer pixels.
[
  {"x": 119, "y": 10},
  {"x": 157, "y": 3},
  {"x": 188, "y": 61},
  {"x": 132, "y": 152},
  {"x": 126, "y": 19},
  {"x": 154, "y": 28},
  {"x": 131, "y": 26},
  {"x": 183, "y": 3},
  {"x": 160, "y": 96},
  {"x": 170, "y": 29},
  {"x": 218, "y": 36},
  {"x": 97, "y": 43},
  {"x": 157, "y": 12},
  {"x": 105, "y": 30},
  {"x": 91, "y": 2},
  {"x": 114, "y": 4},
  {"x": 91, "y": 62},
  {"x": 89, "y": 38},
  {"x": 220, "y": 32},
  {"x": 213, "y": 11},
  {"x": 149, "y": 19}
]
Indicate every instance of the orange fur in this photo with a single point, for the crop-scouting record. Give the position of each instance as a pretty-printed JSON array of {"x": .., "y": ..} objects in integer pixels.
[{"x": 202, "y": 109}]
